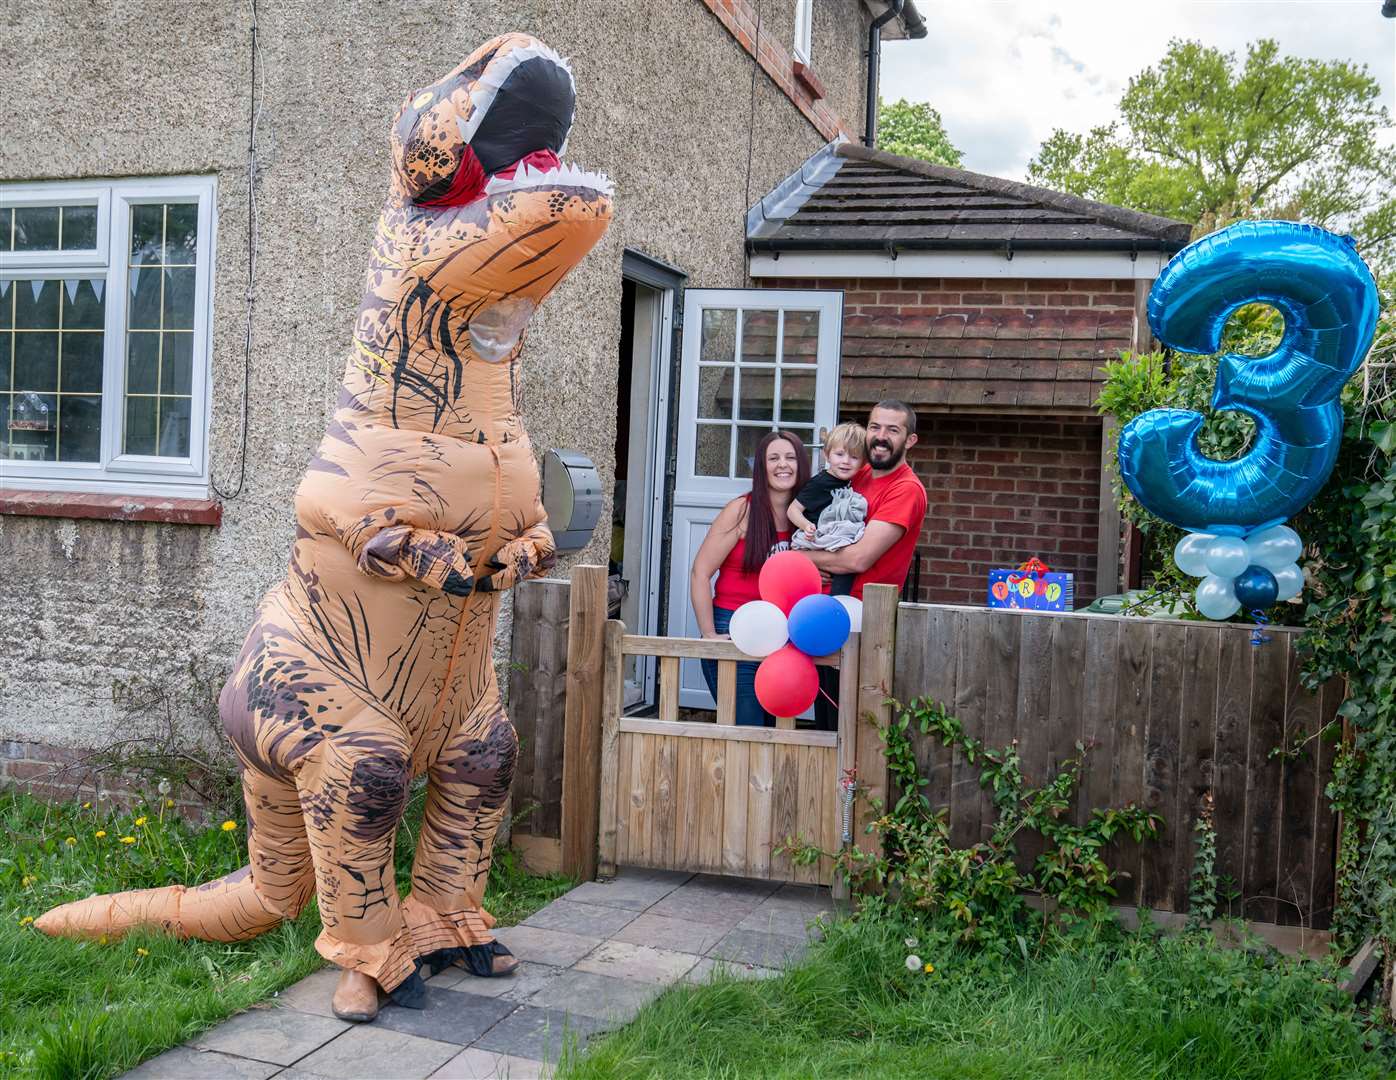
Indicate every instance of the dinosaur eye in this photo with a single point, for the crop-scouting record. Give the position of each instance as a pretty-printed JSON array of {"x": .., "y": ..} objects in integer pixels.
[{"x": 495, "y": 331}]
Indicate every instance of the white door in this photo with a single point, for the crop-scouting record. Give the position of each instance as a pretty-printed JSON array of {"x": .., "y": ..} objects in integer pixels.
[{"x": 753, "y": 360}]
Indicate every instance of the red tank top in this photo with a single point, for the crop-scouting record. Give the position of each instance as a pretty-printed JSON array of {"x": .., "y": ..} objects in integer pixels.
[{"x": 735, "y": 586}]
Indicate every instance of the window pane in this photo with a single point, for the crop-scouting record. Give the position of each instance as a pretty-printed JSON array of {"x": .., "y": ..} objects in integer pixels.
[
  {"x": 181, "y": 233},
  {"x": 174, "y": 427},
  {"x": 757, "y": 394},
  {"x": 36, "y": 228},
  {"x": 759, "y": 337},
  {"x": 142, "y": 363},
  {"x": 7, "y": 217},
  {"x": 747, "y": 440},
  {"x": 147, "y": 234},
  {"x": 797, "y": 398},
  {"x": 36, "y": 304},
  {"x": 32, "y": 429},
  {"x": 79, "y": 427},
  {"x": 145, "y": 299},
  {"x": 36, "y": 362},
  {"x": 800, "y": 341},
  {"x": 79, "y": 228},
  {"x": 177, "y": 363},
  {"x": 81, "y": 364},
  {"x": 7, "y": 344},
  {"x": 712, "y": 450},
  {"x": 715, "y": 393},
  {"x": 7, "y": 304},
  {"x": 140, "y": 425},
  {"x": 719, "y": 337},
  {"x": 179, "y": 298},
  {"x": 83, "y": 306}
]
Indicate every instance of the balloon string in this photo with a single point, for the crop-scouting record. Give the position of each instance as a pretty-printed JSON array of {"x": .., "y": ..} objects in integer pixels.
[
  {"x": 1258, "y": 637},
  {"x": 825, "y": 694}
]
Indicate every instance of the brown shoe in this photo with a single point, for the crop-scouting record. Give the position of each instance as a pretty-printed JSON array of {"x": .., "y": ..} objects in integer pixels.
[{"x": 356, "y": 997}]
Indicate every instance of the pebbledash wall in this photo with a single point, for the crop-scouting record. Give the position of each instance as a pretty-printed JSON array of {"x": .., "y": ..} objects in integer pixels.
[
  {"x": 1004, "y": 373},
  {"x": 665, "y": 106}
]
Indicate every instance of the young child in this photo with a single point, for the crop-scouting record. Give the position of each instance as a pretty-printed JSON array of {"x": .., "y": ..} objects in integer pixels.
[{"x": 827, "y": 512}]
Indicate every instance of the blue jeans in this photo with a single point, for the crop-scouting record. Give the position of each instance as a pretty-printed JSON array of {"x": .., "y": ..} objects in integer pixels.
[{"x": 749, "y": 711}]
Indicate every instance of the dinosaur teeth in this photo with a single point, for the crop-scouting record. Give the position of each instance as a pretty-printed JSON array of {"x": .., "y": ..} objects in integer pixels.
[{"x": 565, "y": 176}]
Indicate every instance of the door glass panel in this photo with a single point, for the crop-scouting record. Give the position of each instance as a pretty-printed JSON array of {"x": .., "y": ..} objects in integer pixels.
[
  {"x": 715, "y": 393},
  {"x": 747, "y": 440},
  {"x": 759, "y": 336},
  {"x": 719, "y": 339},
  {"x": 712, "y": 450},
  {"x": 796, "y": 397},
  {"x": 758, "y": 392},
  {"x": 800, "y": 341}
]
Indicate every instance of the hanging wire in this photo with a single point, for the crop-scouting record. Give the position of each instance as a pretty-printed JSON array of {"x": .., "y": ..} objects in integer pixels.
[{"x": 256, "y": 95}]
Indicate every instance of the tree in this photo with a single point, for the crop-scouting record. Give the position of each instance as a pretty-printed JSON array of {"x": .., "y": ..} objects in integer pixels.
[
  {"x": 914, "y": 129},
  {"x": 1207, "y": 141}
]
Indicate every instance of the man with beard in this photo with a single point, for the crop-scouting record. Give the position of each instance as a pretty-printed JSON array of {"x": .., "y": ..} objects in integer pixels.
[{"x": 896, "y": 507}]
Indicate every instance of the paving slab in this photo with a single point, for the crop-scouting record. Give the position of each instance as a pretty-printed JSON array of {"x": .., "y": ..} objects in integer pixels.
[
  {"x": 528, "y": 977},
  {"x": 701, "y": 903},
  {"x": 733, "y": 886},
  {"x": 663, "y": 932},
  {"x": 759, "y": 949},
  {"x": 815, "y": 897},
  {"x": 601, "y": 997},
  {"x": 555, "y": 947},
  {"x": 641, "y": 963},
  {"x": 294, "y": 1073},
  {"x": 539, "y": 1034},
  {"x": 312, "y": 994},
  {"x": 374, "y": 1050},
  {"x": 586, "y": 920},
  {"x": 448, "y": 1016},
  {"x": 708, "y": 968},
  {"x": 279, "y": 1036},
  {"x": 184, "y": 1062},
  {"x": 633, "y": 889},
  {"x": 475, "y": 1064},
  {"x": 793, "y": 921}
]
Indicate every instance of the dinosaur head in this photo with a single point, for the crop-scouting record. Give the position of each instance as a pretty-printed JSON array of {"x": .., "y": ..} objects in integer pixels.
[{"x": 484, "y": 220}]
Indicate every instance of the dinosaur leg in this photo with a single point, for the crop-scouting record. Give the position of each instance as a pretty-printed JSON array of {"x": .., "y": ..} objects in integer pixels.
[{"x": 468, "y": 789}]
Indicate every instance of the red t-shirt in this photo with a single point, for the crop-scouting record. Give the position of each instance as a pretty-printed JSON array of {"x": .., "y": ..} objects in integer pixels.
[
  {"x": 898, "y": 498},
  {"x": 735, "y": 586}
]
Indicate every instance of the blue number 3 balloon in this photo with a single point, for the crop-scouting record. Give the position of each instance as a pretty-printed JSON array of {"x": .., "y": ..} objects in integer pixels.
[{"x": 1328, "y": 300}]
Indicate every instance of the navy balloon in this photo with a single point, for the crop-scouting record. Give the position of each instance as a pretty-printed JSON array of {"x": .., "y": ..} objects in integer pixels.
[
  {"x": 1326, "y": 294},
  {"x": 1256, "y": 588},
  {"x": 819, "y": 625}
]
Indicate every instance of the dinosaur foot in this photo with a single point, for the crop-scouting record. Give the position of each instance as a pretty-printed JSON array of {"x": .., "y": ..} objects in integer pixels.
[{"x": 355, "y": 997}]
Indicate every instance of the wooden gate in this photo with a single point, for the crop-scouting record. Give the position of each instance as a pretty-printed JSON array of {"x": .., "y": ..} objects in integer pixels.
[{"x": 690, "y": 794}]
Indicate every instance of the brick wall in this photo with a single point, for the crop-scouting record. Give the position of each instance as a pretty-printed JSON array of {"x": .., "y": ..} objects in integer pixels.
[
  {"x": 1003, "y": 489},
  {"x": 59, "y": 774}
]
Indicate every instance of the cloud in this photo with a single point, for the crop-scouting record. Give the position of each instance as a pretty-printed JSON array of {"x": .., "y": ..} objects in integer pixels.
[{"x": 1003, "y": 74}]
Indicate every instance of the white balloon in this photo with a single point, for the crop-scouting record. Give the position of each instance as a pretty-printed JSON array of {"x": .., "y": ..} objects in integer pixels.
[
  {"x": 759, "y": 628},
  {"x": 1216, "y": 599},
  {"x": 1274, "y": 547},
  {"x": 1191, "y": 553},
  {"x": 1290, "y": 579},
  {"x": 854, "y": 607},
  {"x": 1227, "y": 556}
]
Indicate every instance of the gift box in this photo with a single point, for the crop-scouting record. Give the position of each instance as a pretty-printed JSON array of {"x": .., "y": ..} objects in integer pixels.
[{"x": 1032, "y": 586}]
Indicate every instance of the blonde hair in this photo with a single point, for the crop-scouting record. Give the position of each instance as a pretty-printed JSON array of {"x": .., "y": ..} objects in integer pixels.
[{"x": 847, "y": 436}]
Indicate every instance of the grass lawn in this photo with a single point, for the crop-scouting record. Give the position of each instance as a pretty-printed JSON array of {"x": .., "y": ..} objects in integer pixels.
[
  {"x": 1109, "y": 1007},
  {"x": 79, "y": 1010}
]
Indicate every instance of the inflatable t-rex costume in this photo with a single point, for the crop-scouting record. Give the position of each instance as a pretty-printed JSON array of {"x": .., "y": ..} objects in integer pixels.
[{"x": 371, "y": 662}]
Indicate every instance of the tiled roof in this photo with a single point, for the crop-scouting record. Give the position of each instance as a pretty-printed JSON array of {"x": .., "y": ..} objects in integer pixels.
[{"x": 850, "y": 198}]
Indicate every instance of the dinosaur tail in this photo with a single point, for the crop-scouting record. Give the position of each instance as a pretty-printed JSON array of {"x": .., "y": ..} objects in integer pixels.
[{"x": 225, "y": 909}]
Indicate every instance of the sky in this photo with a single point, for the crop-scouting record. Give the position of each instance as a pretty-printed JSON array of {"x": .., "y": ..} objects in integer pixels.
[{"x": 1004, "y": 74}]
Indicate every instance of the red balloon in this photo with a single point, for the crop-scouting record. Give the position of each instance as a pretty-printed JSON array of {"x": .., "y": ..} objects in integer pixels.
[
  {"x": 786, "y": 579},
  {"x": 787, "y": 682}
]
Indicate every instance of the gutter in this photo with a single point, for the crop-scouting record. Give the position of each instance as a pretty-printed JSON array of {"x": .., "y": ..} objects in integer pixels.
[
  {"x": 874, "y": 57},
  {"x": 773, "y": 245}
]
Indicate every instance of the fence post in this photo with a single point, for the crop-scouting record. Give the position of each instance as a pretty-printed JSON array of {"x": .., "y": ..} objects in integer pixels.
[
  {"x": 876, "y": 650},
  {"x": 581, "y": 755},
  {"x": 612, "y": 676}
]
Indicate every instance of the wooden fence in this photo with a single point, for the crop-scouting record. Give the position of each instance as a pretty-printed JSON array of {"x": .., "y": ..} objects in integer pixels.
[{"x": 1171, "y": 712}]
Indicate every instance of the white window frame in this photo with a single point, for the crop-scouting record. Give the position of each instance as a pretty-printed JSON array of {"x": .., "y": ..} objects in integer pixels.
[
  {"x": 115, "y": 472},
  {"x": 804, "y": 30}
]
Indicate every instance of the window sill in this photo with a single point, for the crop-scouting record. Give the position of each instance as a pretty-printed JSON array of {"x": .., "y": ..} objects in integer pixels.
[
  {"x": 806, "y": 78},
  {"x": 72, "y": 504}
]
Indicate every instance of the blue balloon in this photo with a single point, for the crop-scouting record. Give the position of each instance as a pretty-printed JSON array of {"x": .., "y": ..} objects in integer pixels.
[
  {"x": 819, "y": 625},
  {"x": 1328, "y": 300},
  {"x": 1256, "y": 588}
]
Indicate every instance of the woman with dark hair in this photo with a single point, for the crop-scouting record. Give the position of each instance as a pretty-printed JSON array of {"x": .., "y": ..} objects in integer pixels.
[{"x": 746, "y": 533}]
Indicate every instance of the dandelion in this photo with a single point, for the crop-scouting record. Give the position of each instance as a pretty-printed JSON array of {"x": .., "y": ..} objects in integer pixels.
[
  {"x": 163, "y": 787},
  {"x": 27, "y": 880},
  {"x": 169, "y": 803},
  {"x": 100, "y": 833},
  {"x": 87, "y": 806},
  {"x": 26, "y": 920},
  {"x": 910, "y": 943},
  {"x": 140, "y": 821},
  {"x": 229, "y": 826},
  {"x": 142, "y": 952},
  {"x": 929, "y": 969},
  {"x": 71, "y": 841},
  {"x": 913, "y": 963},
  {"x": 102, "y": 941},
  {"x": 128, "y": 839}
]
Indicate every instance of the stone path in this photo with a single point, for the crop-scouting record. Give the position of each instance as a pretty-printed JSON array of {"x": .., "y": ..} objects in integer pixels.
[{"x": 588, "y": 962}]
